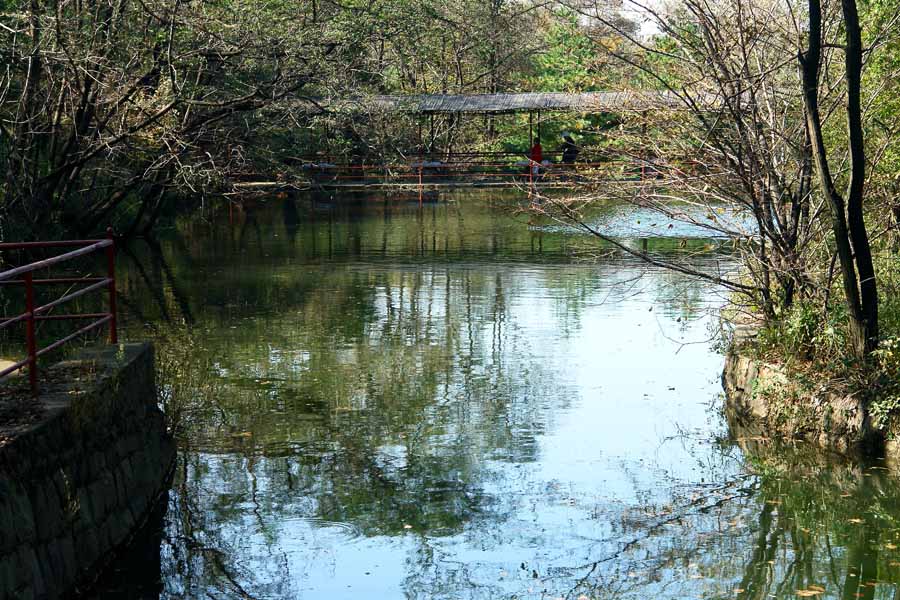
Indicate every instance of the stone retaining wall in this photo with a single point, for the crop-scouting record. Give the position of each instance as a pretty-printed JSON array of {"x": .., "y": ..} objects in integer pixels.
[
  {"x": 77, "y": 483},
  {"x": 761, "y": 398}
]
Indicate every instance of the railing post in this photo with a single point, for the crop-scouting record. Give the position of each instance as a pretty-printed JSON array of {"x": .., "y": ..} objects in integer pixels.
[
  {"x": 30, "y": 334},
  {"x": 111, "y": 274}
]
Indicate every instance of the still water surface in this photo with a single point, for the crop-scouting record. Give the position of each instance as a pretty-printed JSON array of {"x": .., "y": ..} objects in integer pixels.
[{"x": 385, "y": 401}]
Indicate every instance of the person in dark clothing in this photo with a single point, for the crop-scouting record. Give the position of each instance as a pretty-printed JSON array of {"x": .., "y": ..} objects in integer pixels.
[{"x": 569, "y": 149}]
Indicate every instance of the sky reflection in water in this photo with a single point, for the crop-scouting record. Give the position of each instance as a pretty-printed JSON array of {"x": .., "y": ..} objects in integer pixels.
[{"x": 442, "y": 403}]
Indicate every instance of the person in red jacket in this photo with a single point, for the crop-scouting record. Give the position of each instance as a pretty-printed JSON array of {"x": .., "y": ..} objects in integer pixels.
[{"x": 536, "y": 156}]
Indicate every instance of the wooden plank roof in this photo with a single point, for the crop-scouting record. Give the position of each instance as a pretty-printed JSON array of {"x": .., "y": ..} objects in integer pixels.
[
  {"x": 585, "y": 102},
  {"x": 551, "y": 101}
]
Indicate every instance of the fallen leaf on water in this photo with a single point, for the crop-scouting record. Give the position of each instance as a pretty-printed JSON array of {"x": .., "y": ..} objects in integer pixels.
[
  {"x": 817, "y": 588},
  {"x": 809, "y": 593},
  {"x": 855, "y": 521}
]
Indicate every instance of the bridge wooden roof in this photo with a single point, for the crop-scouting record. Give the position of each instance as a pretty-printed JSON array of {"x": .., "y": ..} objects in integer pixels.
[
  {"x": 584, "y": 102},
  {"x": 551, "y": 101}
]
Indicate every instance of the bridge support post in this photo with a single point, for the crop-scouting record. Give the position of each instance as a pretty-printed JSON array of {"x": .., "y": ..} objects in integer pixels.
[
  {"x": 421, "y": 191},
  {"x": 530, "y": 129}
]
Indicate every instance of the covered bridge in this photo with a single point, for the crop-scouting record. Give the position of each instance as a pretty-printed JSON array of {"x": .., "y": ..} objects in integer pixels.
[
  {"x": 449, "y": 168},
  {"x": 532, "y": 103}
]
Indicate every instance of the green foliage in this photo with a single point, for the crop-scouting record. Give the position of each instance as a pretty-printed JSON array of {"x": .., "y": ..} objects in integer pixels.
[
  {"x": 568, "y": 62},
  {"x": 887, "y": 271},
  {"x": 885, "y": 378},
  {"x": 886, "y": 388},
  {"x": 882, "y": 87},
  {"x": 806, "y": 332},
  {"x": 811, "y": 341}
]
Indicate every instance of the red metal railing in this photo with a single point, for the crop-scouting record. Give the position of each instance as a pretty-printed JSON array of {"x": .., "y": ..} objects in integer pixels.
[
  {"x": 501, "y": 166},
  {"x": 24, "y": 275}
]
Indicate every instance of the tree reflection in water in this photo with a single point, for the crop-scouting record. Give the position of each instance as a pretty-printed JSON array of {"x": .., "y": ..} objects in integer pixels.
[{"x": 384, "y": 401}]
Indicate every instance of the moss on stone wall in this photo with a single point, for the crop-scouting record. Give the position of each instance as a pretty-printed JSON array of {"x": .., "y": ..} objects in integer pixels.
[{"x": 765, "y": 398}]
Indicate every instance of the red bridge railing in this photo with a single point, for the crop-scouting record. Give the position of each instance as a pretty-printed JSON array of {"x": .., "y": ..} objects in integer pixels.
[
  {"x": 24, "y": 276},
  {"x": 509, "y": 167}
]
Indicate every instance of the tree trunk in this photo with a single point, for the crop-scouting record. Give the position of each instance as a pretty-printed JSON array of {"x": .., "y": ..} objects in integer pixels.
[
  {"x": 859, "y": 238},
  {"x": 851, "y": 240}
]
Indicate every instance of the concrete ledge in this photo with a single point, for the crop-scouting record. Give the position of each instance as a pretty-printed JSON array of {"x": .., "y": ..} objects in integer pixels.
[{"x": 79, "y": 479}]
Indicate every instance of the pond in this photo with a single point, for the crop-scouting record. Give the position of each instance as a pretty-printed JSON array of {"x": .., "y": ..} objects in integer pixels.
[{"x": 378, "y": 399}]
